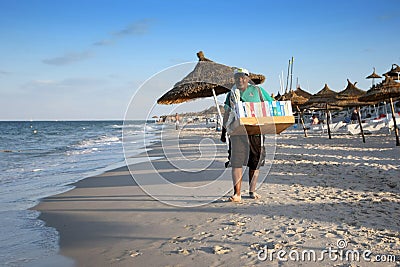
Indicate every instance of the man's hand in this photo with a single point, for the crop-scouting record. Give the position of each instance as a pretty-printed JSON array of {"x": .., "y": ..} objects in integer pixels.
[{"x": 223, "y": 135}]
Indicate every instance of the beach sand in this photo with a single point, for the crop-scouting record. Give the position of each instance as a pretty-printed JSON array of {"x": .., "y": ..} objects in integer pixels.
[{"x": 319, "y": 193}]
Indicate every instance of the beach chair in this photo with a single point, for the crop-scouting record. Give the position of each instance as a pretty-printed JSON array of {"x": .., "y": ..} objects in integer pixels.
[{"x": 335, "y": 127}]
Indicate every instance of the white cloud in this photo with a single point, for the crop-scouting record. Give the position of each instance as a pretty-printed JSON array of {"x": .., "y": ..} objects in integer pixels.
[
  {"x": 137, "y": 28},
  {"x": 103, "y": 43},
  {"x": 140, "y": 27},
  {"x": 388, "y": 16},
  {"x": 68, "y": 58},
  {"x": 3, "y": 72}
]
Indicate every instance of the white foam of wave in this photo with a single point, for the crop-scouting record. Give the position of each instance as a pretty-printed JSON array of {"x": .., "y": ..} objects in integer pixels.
[
  {"x": 127, "y": 126},
  {"x": 82, "y": 152},
  {"x": 104, "y": 140}
]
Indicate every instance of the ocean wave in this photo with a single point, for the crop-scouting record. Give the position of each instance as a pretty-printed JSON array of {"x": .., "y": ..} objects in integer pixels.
[
  {"x": 82, "y": 151},
  {"x": 35, "y": 166},
  {"x": 100, "y": 141}
]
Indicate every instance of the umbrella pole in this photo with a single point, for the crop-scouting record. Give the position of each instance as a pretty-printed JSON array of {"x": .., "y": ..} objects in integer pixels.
[
  {"x": 359, "y": 123},
  {"x": 302, "y": 121},
  {"x": 220, "y": 116},
  {"x": 216, "y": 104},
  {"x": 327, "y": 121},
  {"x": 396, "y": 129}
]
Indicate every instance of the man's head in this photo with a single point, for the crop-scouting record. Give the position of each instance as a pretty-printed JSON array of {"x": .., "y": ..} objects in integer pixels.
[{"x": 241, "y": 78}]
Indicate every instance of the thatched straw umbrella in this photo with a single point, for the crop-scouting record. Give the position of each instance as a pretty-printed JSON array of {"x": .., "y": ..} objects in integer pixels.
[
  {"x": 321, "y": 100},
  {"x": 387, "y": 90},
  {"x": 317, "y": 101},
  {"x": 349, "y": 98},
  {"x": 297, "y": 100},
  {"x": 207, "y": 75},
  {"x": 394, "y": 73},
  {"x": 373, "y": 76},
  {"x": 302, "y": 93},
  {"x": 207, "y": 79}
]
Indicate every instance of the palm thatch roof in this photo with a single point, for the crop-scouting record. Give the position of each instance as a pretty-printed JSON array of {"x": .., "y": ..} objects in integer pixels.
[
  {"x": 207, "y": 75},
  {"x": 301, "y": 92},
  {"x": 320, "y": 99},
  {"x": 349, "y": 96},
  {"x": 394, "y": 72},
  {"x": 292, "y": 96},
  {"x": 373, "y": 76},
  {"x": 383, "y": 91},
  {"x": 350, "y": 91}
]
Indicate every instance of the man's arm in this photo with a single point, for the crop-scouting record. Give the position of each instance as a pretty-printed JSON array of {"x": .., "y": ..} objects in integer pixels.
[
  {"x": 223, "y": 131},
  {"x": 225, "y": 119}
]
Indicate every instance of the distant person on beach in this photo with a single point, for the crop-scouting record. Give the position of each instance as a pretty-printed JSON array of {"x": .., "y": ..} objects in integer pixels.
[
  {"x": 314, "y": 120},
  {"x": 354, "y": 116},
  {"x": 246, "y": 150},
  {"x": 176, "y": 121}
]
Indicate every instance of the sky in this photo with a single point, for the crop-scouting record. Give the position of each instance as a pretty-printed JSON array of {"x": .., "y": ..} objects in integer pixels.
[{"x": 96, "y": 59}]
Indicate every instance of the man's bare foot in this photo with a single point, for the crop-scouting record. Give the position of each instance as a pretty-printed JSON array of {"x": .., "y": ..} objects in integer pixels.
[
  {"x": 235, "y": 198},
  {"x": 254, "y": 195}
]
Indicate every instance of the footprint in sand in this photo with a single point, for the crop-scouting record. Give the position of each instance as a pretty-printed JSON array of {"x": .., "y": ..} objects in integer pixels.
[
  {"x": 240, "y": 223},
  {"x": 221, "y": 250},
  {"x": 300, "y": 230},
  {"x": 134, "y": 253},
  {"x": 258, "y": 233},
  {"x": 184, "y": 251},
  {"x": 209, "y": 220},
  {"x": 228, "y": 236},
  {"x": 236, "y": 223},
  {"x": 290, "y": 233},
  {"x": 255, "y": 246},
  {"x": 330, "y": 235},
  {"x": 201, "y": 236},
  {"x": 190, "y": 227},
  {"x": 180, "y": 239}
]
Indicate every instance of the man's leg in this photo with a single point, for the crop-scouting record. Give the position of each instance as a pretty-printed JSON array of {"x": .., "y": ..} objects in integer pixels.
[
  {"x": 255, "y": 159},
  {"x": 237, "y": 180},
  {"x": 239, "y": 155},
  {"x": 253, "y": 177}
]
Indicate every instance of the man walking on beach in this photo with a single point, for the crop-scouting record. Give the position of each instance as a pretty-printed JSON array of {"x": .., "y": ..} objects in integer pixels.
[
  {"x": 177, "y": 121},
  {"x": 246, "y": 150}
]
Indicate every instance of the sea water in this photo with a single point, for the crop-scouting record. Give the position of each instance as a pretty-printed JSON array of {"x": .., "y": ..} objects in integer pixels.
[{"x": 39, "y": 159}]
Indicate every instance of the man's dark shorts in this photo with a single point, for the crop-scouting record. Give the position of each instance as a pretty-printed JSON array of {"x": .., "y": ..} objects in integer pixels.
[{"x": 247, "y": 150}]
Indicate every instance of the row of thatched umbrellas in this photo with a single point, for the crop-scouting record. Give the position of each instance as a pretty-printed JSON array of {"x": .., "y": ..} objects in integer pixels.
[
  {"x": 209, "y": 79},
  {"x": 351, "y": 96}
]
